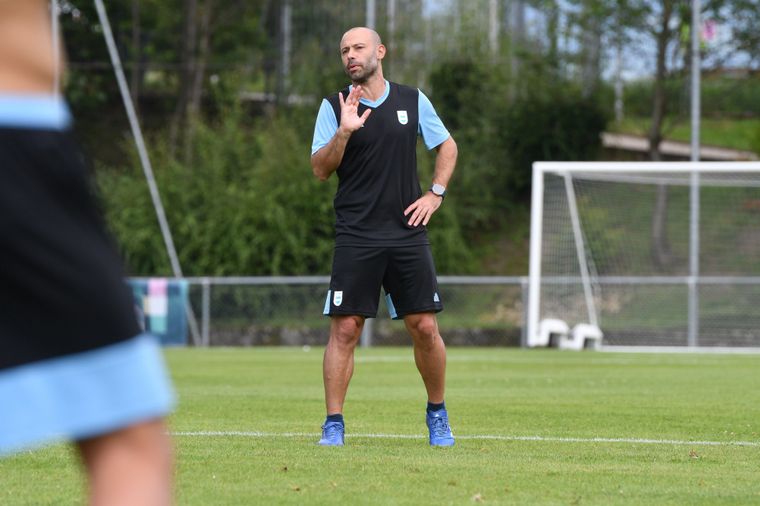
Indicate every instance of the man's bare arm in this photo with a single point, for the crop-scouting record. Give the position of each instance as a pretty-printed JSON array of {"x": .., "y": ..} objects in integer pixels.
[
  {"x": 422, "y": 209},
  {"x": 27, "y": 63},
  {"x": 445, "y": 161},
  {"x": 326, "y": 160}
]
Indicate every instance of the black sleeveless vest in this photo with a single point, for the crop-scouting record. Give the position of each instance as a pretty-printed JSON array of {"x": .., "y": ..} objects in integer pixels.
[{"x": 377, "y": 177}]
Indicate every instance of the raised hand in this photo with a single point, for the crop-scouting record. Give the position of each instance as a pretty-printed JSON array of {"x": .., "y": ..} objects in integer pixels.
[{"x": 349, "y": 110}]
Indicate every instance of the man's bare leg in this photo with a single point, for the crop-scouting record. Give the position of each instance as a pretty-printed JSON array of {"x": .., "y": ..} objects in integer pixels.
[
  {"x": 429, "y": 353},
  {"x": 430, "y": 357},
  {"x": 130, "y": 466},
  {"x": 338, "y": 364}
]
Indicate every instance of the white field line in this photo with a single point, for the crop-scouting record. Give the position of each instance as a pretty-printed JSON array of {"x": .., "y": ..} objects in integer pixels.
[
  {"x": 253, "y": 434},
  {"x": 607, "y": 356}
]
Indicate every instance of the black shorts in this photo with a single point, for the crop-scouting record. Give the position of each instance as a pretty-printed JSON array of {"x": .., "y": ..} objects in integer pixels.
[
  {"x": 61, "y": 282},
  {"x": 407, "y": 274}
]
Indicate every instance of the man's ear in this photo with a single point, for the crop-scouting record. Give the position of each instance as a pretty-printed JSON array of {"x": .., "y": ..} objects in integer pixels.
[{"x": 380, "y": 51}]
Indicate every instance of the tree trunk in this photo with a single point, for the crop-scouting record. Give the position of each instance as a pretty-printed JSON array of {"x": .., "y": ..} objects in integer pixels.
[
  {"x": 493, "y": 27},
  {"x": 189, "y": 43},
  {"x": 659, "y": 104},
  {"x": 552, "y": 33},
  {"x": 661, "y": 253},
  {"x": 369, "y": 21},
  {"x": 282, "y": 87},
  {"x": 592, "y": 42},
  {"x": 619, "y": 113},
  {"x": 687, "y": 64},
  {"x": 196, "y": 92},
  {"x": 270, "y": 23},
  {"x": 517, "y": 25},
  {"x": 391, "y": 36}
]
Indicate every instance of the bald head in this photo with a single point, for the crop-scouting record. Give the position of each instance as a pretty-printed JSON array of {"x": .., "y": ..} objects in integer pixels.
[{"x": 361, "y": 33}]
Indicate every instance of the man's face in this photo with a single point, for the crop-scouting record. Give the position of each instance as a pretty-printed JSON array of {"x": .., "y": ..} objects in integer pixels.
[{"x": 359, "y": 54}]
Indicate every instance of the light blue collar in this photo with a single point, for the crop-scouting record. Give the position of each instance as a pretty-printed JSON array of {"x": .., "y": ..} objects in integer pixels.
[
  {"x": 47, "y": 112},
  {"x": 379, "y": 101}
]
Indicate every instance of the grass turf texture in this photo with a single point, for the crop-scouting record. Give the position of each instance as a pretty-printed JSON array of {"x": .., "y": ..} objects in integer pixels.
[
  {"x": 273, "y": 398},
  {"x": 727, "y": 133}
]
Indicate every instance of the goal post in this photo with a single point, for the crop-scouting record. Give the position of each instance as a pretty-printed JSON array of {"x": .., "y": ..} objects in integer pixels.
[{"x": 645, "y": 254}]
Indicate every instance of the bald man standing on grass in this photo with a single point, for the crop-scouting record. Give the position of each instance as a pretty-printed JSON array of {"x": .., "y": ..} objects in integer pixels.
[{"x": 367, "y": 134}]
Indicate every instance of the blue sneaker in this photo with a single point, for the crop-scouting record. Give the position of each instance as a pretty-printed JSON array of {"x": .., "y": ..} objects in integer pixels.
[
  {"x": 438, "y": 425},
  {"x": 332, "y": 434}
]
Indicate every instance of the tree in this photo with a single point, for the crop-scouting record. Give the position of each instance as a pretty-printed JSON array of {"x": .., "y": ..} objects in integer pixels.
[
  {"x": 187, "y": 69},
  {"x": 745, "y": 18},
  {"x": 203, "y": 21},
  {"x": 601, "y": 24}
]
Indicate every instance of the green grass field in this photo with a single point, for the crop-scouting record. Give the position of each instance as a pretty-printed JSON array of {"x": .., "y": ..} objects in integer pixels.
[
  {"x": 533, "y": 427},
  {"x": 727, "y": 133}
]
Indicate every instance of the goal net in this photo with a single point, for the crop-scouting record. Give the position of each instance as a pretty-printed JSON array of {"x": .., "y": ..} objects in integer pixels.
[{"x": 645, "y": 254}]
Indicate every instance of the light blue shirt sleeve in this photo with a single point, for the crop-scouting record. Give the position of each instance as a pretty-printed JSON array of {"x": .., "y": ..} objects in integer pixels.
[
  {"x": 431, "y": 127},
  {"x": 325, "y": 128}
]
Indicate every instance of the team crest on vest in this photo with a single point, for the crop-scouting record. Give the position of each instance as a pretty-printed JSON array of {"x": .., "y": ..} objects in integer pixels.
[
  {"x": 338, "y": 298},
  {"x": 402, "y": 117}
]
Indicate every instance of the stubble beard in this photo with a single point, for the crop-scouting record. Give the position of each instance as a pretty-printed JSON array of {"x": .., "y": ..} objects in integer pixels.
[{"x": 367, "y": 71}]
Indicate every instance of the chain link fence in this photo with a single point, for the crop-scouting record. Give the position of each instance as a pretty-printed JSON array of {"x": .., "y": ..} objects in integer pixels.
[
  {"x": 478, "y": 311},
  {"x": 287, "y": 311}
]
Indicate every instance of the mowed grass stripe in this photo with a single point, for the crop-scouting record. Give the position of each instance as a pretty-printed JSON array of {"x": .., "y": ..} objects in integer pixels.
[{"x": 495, "y": 437}]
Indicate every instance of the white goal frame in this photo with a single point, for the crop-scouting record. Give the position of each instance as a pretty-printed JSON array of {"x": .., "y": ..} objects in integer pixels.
[{"x": 565, "y": 169}]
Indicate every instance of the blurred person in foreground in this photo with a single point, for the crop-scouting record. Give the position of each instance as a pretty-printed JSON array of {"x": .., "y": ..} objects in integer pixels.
[
  {"x": 73, "y": 361},
  {"x": 367, "y": 134}
]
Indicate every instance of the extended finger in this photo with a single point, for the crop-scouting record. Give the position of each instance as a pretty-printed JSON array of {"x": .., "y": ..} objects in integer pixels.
[
  {"x": 417, "y": 217},
  {"x": 422, "y": 218},
  {"x": 411, "y": 207},
  {"x": 411, "y": 218},
  {"x": 355, "y": 94}
]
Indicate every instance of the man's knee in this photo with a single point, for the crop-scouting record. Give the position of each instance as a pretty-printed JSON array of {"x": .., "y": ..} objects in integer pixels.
[
  {"x": 346, "y": 329},
  {"x": 423, "y": 327}
]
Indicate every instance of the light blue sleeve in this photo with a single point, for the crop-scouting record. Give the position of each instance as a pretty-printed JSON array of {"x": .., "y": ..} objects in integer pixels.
[
  {"x": 325, "y": 127},
  {"x": 431, "y": 127}
]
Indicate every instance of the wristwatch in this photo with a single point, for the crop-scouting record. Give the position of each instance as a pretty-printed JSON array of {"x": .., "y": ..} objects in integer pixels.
[{"x": 438, "y": 190}]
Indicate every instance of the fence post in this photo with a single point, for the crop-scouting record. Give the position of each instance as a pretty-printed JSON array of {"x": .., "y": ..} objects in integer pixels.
[
  {"x": 524, "y": 288},
  {"x": 366, "y": 337},
  {"x": 205, "y": 312}
]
